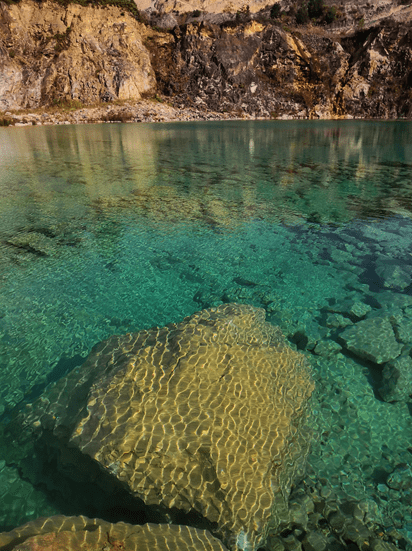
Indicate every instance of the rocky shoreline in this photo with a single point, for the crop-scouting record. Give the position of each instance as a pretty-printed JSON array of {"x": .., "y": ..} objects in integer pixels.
[
  {"x": 154, "y": 110},
  {"x": 250, "y": 65}
]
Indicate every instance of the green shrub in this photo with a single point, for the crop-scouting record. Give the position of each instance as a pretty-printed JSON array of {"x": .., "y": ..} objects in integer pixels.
[
  {"x": 315, "y": 8},
  {"x": 67, "y": 104},
  {"x": 275, "y": 11},
  {"x": 5, "y": 122},
  {"x": 317, "y": 11},
  {"x": 196, "y": 13},
  {"x": 302, "y": 15},
  {"x": 331, "y": 15}
]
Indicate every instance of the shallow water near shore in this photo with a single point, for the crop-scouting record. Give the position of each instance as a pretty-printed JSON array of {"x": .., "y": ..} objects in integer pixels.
[{"x": 109, "y": 229}]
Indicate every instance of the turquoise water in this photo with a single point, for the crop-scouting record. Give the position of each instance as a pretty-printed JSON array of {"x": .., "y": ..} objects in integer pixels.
[{"x": 108, "y": 229}]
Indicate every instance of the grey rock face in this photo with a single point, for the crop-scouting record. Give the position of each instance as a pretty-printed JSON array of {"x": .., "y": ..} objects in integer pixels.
[
  {"x": 166, "y": 21},
  {"x": 372, "y": 339}
]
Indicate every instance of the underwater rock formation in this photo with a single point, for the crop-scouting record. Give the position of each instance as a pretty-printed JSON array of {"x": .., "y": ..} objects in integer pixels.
[
  {"x": 372, "y": 339},
  {"x": 207, "y": 417},
  {"x": 82, "y": 533},
  {"x": 397, "y": 380}
]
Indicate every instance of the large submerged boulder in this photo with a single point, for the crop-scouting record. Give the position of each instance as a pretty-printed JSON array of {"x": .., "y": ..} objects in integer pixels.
[
  {"x": 206, "y": 417},
  {"x": 85, "y": 534}
]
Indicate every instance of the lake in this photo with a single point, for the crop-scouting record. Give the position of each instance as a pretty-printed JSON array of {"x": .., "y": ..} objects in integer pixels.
[{"x": 110, "y": 229}]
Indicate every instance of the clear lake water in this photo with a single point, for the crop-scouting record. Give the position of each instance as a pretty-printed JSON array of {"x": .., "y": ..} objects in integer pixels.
[{"x": 109, "y": 229}]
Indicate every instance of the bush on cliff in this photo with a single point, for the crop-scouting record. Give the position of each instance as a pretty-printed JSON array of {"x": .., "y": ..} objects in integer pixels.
[
  {"x": 275, "y": 11},
  {"x": 316, "y": 11}
]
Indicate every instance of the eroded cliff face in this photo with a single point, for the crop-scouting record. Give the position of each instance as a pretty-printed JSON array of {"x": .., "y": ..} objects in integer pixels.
[
  {"x": 49, "y": 52},
  {"x": 244, "y": 64},
  {"x": 263, "y": 69}
]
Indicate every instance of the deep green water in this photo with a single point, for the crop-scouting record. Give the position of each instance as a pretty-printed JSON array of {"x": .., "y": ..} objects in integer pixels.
[{"x": 107, "y": 229}]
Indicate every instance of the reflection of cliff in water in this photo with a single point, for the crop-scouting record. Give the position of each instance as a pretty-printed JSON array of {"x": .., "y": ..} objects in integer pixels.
[
  {"x": 224, "y": 174},
  {"x": 216, "y": 173}
]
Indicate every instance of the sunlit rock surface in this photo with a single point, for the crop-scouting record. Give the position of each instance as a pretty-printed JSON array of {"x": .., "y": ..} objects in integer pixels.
[
  {"x": 220, "y": 55},
  {"x": 51, "y": 53},
  {"x": 205, "y": 416},
  {"x": 82, "y": 533}
]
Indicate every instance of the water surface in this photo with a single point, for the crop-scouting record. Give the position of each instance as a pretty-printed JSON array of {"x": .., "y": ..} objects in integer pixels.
[{"x": 106, "y": 229}]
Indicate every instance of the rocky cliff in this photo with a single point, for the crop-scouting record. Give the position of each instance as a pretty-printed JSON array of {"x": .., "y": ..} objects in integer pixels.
[
  {"x": 50, "y": 53},
  {"x": 255, "y": 61}
]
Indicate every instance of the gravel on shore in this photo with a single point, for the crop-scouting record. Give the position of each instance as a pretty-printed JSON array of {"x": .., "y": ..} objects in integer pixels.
[{"x": 146, "y": 110}]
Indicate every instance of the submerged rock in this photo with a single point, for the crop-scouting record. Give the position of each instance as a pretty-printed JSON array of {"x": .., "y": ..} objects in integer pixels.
[
  {"x": 327, "y": 348},
  {"x": 372, "y": 339},
  {"x": 33, "y": 242},
  {"x": 206, "y": 416},
  {"x": 82, "y": 533},
  {"x": 401, "y": 478},
  {"x": 355, "y": 310},
  {"x": 397, "y": 380},
  {"x": 392, "y": 275}
]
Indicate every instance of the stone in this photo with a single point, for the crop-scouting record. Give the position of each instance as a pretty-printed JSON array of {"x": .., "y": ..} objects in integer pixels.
[
  {"x": 377, "y": 544},
  {"x": 84, "y": 534},
  {"x": 166, "y": 21},
  {"x": 359, "y": 309},
  {"x": 355, "y": 309},
  {"x": 307, "y": 334},
  {"x": 337, "y": 320},
  {"x": 357, "y": 532},
  {"x": 394, "y": 276},
  {"x": 33, "y": 242},
  {"x": 372, "y": 339},
  {"x": 291, "y": 543},
  {"x": 390, "y": 300},
  {"x": 314, "y": 541},
  {"x": 196, "y": 417},
  {"x": 401, "y": 478},
  {"x": 397, "y": 380},
  {"x": 403, "y": 330},
  {"x": 327, "y": 348}
]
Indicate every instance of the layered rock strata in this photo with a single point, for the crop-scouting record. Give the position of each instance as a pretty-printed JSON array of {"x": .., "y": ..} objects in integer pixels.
[{"x": 206, "y": 417}]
